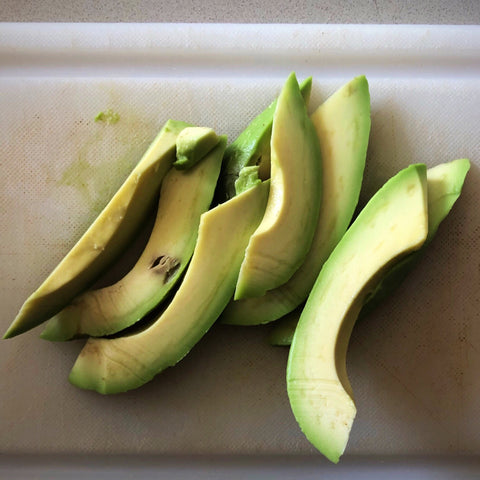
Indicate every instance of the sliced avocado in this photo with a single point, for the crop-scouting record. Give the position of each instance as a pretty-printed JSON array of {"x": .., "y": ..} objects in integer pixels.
[
  {"x": 106, "y": 238},
  {"x": 247, "y": 178},
  {"x": 124, "y": 363},
  {"x": 393, "y": 223},
  {"x": 193, "y": 143},
  {"x": 184, "y": 196},
  {"x": 444, "y": 186},
  {"x": 252, "y": 147},
  {"x": 342, "y": 124},
  {"x": 281, "y": 242},
  {"x": 282, "y": 332}
]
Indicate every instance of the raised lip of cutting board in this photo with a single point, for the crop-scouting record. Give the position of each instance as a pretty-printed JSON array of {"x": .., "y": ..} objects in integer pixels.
[{"x": 68, "y": 49}]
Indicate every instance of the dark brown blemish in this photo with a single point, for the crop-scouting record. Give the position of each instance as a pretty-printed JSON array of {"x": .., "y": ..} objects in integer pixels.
[{"x": 165, "y": 265}]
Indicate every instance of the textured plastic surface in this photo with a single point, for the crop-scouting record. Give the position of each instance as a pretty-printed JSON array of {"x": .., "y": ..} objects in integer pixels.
[{"x": 413, "y": 363}]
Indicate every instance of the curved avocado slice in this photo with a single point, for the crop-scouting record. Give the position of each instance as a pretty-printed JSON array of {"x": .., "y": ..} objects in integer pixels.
[
  {"x": 279, "y": 245},
  {"x": 252, "y": 147},
  {"x": 342, "y": 124},
  {"x": 193, "y": 143},
  {"x": 444, "y": 186},
  {"x": 106, "y": 238},
  {"x": 393, "y": 223},
  {"x": 124, "y": 363},
  {"x": 184, "y": 196}
]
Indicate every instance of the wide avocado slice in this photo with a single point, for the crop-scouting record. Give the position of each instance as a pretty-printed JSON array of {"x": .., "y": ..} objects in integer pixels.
[
  {"x": 392, "y": 224},
  {"x": 124, "y": 363},
  {"x": 184, "y": 196},
  {"x": 252, "y": 147},
  {"x": 342, "y": 124},
  {"x": 279, "y": 245},
  {"x": 444, "y": 186},
  {"x": 106, "y": 238}
]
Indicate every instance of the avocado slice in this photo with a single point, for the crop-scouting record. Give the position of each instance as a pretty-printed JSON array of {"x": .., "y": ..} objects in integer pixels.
[
  {"x": 184, "y": 196},
  {"x": 279, "y": 245},
  {"x": 247, "y": 178},
  {"x": 444, "y": 186},
  {"x": 106, "y": 238},
  {"x": 124, "y": 363},
  {"x": 283, "y": 329},
  {"x": 193, "y": 143},
  {"x": 252, "y": 147},
  {"x": 342, "y": 124},
  {"x": 393, "y": 223}
]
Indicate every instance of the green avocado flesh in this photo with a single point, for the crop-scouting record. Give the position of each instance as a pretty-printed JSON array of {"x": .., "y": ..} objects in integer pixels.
[
  {"x": 106, "y": 238},
  {"x": 193, "y": 143},
  {"x": 184, "y": 196},
  {"x": 252, "y": 147},
  {"x": 125, "y": 363},
  {"x": 247, "y": 178},
  {"x": 342, "y": 124},
  {"x": 444, "y": 186},
  {"x": 279, "y": 245},
  {"x": 392, "y": 224},
  {"x": 282, "y": 332}
]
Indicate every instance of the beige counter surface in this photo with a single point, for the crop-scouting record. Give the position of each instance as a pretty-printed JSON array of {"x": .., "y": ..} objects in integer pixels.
[{"x": 244, "y": 11}]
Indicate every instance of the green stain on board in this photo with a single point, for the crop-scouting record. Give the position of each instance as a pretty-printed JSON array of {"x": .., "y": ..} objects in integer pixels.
[
  {"x": 96, "y": 183},
  {"x": 96, "y": 172},
  {"x": 90, "y": 181},
  {"x": 110, "y": 117},
  {"x": 95, "y": 179}
]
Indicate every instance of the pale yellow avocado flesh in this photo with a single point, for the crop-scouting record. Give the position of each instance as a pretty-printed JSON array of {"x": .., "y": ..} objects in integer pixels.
[
  {"x": 123, "y": 363},
  {"x": 106, "y": 238},
  {"x": 342, "y": 124},
  {"x": 393, "y": 223},
  {"x": 184, "y": 196},
  {"x": 279, "y": 245}
]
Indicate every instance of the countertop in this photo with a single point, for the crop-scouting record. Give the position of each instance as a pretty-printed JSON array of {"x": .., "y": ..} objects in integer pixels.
[{"x": 245, "y": 11}]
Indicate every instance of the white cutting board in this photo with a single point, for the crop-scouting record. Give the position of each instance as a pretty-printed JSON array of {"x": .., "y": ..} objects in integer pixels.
[{"x": 413, "y": 364}]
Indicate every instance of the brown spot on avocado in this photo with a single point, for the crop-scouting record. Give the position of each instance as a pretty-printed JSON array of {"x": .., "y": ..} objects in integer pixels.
[{"x": 166, "y": 265}]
